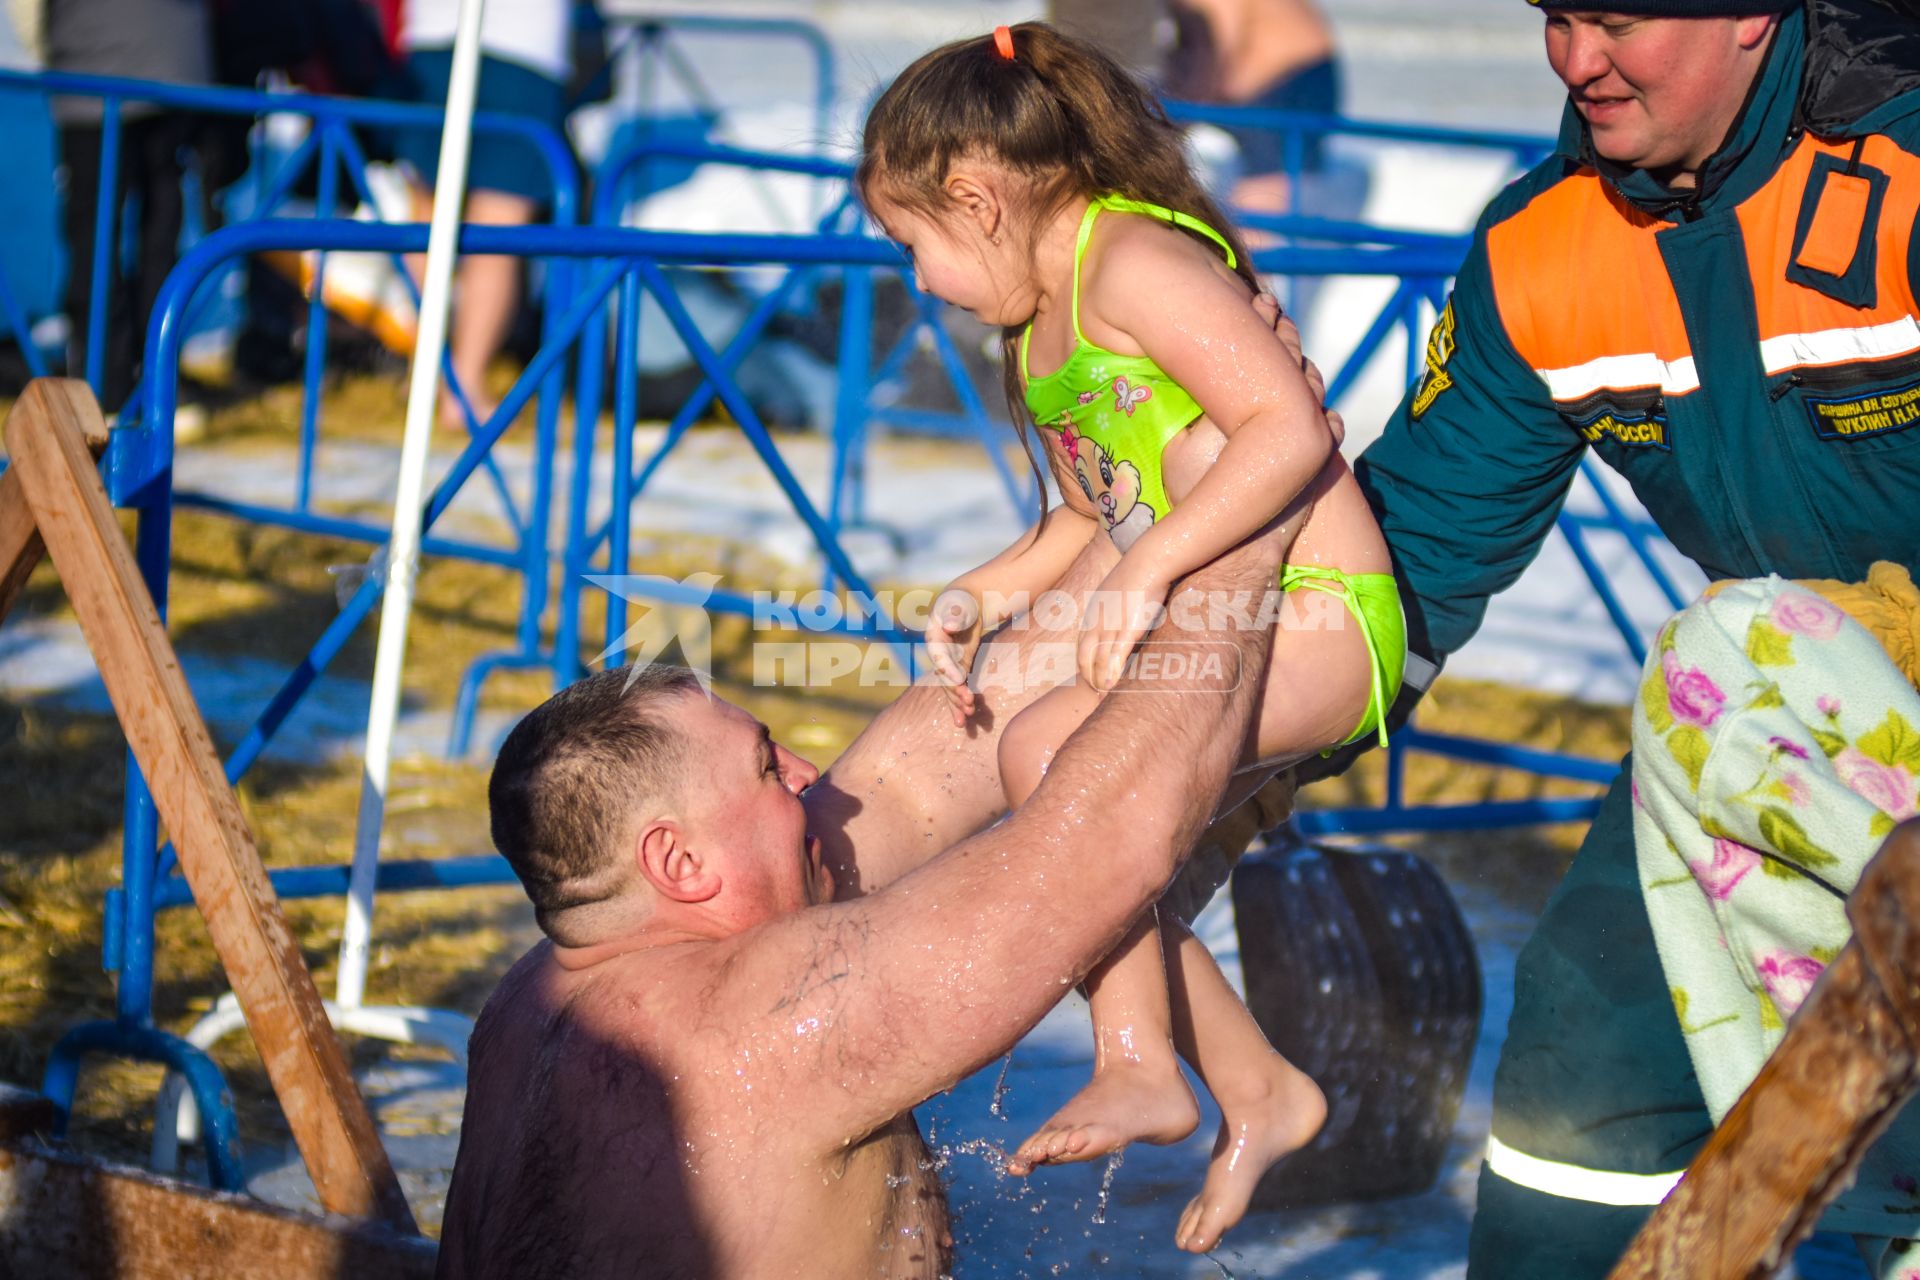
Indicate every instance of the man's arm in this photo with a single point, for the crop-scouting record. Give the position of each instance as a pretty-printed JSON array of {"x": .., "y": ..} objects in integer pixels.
[
  {"x": 868, "y": 1007},
  {"x": 1471, "y": 471}
]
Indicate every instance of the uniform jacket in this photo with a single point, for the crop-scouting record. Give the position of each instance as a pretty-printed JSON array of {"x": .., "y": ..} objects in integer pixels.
[{"x": 1746, "y": 354}]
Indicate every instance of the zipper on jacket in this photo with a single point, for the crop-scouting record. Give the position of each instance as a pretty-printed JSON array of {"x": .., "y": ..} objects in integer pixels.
[{"x": 1779, "y": 393}]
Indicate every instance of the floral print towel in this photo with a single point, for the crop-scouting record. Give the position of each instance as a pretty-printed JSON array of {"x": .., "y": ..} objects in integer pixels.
[{"x": 1775, "y": 746}]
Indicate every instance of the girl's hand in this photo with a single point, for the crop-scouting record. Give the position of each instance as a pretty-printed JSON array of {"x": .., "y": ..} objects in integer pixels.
[
  {"x": 1123, "y": 609},
  {"x": 953, "y": 635}
]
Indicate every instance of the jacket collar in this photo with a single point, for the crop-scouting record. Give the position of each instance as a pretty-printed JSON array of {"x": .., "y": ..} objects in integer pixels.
[{"x": 1743, "y": 164}]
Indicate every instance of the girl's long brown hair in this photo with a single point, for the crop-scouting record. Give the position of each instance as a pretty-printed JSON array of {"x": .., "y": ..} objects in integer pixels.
[{"x": 1061, "y": 114}]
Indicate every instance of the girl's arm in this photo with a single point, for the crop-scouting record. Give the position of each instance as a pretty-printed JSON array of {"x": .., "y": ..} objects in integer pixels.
[
  {"x": 1014, "y": 578},
  {"x": 981, "y": 599},
  {"x": 1163, "y": 294},
  {"x": 1200, "y": 329}
]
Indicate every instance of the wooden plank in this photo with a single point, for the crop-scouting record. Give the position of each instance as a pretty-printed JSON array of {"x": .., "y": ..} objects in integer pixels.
[
  {"x": 61, "y": 1215},
  {"x": 1792, "y": 1142},
  {"x": 329, "y": 1120},
  {"x": 20, "y": 544}
]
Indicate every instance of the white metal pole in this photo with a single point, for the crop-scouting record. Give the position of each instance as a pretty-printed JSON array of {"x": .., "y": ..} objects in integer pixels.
[{"x": 403, "y": 551}]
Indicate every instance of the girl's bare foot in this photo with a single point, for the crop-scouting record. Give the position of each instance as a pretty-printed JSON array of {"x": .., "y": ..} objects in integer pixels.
[
  {"x": 1121, "y": 1104},
  {"x": 1272, "y": 1118}
]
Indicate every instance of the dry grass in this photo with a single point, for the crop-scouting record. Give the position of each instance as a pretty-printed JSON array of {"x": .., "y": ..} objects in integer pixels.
[{"x": 263, "y": 592}]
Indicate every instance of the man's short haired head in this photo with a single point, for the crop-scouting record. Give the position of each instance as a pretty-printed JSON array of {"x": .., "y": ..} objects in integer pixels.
[
  {"x": 1660, "y": 83},
  {"x": 574, "y": 776}
]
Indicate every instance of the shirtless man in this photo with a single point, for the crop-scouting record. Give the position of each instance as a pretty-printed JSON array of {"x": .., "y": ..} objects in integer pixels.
[
  {"x": 1244, "y": 49},
  {"x": 709, "y": 1066}
]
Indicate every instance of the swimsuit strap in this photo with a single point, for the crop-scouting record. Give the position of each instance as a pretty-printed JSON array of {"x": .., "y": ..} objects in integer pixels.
[
  {"x": 1335, "y": 583},
  {"x": 1121, "y": 204}
]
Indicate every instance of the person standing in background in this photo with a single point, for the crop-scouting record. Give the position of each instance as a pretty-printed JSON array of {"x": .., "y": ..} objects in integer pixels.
[
  {"x": 1277, "y": 55},
  {"x": 525, "y": 60},
  {"x": 1131, "y": 32},
  {"x": 164, "y": 40}
]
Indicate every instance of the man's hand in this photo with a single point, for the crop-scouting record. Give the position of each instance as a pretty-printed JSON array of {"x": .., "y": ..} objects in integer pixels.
[
  {"x": 952, "y": 637},
  {"x": 1124, "y": 608},
  {"x": 1267, "y": 307}
]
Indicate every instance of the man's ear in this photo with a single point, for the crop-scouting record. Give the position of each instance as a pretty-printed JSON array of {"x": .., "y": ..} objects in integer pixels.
[
  {"x": 975, "y": 199},
  {"x": 1754, "y": 28},
  {"x": 669, "y": 862}
]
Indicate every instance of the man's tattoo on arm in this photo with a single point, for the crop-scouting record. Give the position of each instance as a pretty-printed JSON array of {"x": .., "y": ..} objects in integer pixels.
[{"x": 835, "y": 948}]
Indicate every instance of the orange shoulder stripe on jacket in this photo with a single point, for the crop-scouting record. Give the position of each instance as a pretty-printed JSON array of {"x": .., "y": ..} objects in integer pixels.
[
  {"x": 1584, "y": 295},
  {"x": 1801, "y": 326}
]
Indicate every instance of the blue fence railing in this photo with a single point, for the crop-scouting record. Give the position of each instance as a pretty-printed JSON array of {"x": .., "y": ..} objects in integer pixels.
[
  {"x": 332, "y": 158},
  {"x": 603, "y": 274},
  {"x": 331, "y": 151},
  {"x": 1299, "y": 129},
  {"x": 613, "y": 267},
  {"x": 662, "y": 48}
]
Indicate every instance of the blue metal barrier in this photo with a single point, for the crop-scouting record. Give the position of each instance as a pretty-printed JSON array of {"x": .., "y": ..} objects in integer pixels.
[
  {"x": 606, "y": 262},
  {"x": 332, "y": 151},
  {"x": 1296, "y": 128},
  {"x": 656, "y": 40},
  {"x": 860, "y": 385},
  {"x": 331, "y": 148}
]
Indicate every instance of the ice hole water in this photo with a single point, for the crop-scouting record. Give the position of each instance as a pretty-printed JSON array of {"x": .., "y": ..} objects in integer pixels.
[{"x": 1117, "y": 1218}]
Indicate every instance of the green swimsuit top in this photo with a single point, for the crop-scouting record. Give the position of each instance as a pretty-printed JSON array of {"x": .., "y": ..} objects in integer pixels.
[{"x": 1115, "y": 413}]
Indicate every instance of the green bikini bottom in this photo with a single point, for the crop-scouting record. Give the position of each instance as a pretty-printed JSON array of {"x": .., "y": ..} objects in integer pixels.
[{"x": 1374, "y": 601}]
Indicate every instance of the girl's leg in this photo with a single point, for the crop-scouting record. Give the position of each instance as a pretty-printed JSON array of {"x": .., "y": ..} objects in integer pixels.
[
  {"x": 912, "y": 784},
  {"x": 1137, "y": 1093},
  {"x": 1315, "y": 689},
  {"x": 1269, "y": 1108},
  {"x": 1316, "y": 679}
]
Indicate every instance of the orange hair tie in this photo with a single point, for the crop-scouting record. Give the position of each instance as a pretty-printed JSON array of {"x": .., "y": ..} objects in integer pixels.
[{"x": 1003, "y": 41}]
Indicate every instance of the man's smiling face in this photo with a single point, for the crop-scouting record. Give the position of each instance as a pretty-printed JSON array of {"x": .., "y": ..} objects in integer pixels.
[{"x": 1658, "y": 94}]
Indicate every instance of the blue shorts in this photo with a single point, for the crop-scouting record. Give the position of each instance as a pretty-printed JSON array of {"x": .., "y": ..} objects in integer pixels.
[
  {"x": 1314, "y": 88},
  {"x": 497, "y": 162}
]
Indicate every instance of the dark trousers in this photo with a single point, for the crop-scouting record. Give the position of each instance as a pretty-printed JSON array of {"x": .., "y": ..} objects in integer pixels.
[
  {"x": 1594, "y": 1071},
  {"x": 147, "y": 183}
]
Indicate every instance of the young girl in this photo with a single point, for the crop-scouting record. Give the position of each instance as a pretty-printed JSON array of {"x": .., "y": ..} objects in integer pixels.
[{"x": 1034, "y": 183}]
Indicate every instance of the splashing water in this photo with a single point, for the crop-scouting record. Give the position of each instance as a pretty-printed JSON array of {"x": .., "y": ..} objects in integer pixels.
[
  {"x": 1106, "y": 1188},
  {"x": 1000, "y": 1090},
  {"x": 989, "y": 1151}
]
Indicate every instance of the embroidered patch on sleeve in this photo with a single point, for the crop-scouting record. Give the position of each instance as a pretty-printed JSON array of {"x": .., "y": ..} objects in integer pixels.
[
  {"x": 1633, "y": 430},
  {"x": 1440, "y": 349}
]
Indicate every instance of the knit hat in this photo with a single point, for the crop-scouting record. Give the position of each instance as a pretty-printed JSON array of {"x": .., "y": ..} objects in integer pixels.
[{"x": 1674, "y": 8}]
